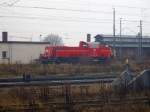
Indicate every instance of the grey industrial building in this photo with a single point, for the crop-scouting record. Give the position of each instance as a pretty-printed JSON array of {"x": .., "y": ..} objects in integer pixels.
[{"x": 128, "y": 45}]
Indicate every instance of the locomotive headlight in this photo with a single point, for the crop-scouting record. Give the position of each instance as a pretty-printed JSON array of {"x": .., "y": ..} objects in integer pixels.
[
  {"x": 46, "y": 50},
  {"x": 106, "y": 46}
]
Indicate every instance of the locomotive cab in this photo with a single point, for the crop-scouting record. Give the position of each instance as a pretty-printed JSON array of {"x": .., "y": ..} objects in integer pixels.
[{"x": 83, "y": 44}]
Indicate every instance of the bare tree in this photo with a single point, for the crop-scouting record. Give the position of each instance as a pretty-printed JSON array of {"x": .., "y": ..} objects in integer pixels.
[{"x": 53, "y": 39}]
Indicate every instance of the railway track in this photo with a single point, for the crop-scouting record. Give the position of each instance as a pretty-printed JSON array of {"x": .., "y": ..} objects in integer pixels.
[
  {"x": 28, "y": 80},
  {"x": 109, "y": 101},
  {"x": 67, "y": 100}
]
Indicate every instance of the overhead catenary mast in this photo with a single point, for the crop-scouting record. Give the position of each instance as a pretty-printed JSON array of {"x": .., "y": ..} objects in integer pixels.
[
  {"x": 114, "y": 32},
  {"x": 120, "y": 38},
  {"x": 140, "y": 40}
]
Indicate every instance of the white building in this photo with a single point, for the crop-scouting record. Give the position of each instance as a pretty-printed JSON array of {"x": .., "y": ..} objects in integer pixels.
[{"x": 20, "y": 52}]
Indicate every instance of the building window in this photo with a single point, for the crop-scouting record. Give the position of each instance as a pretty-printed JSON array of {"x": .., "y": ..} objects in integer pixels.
[{"x": 4, "y": 54}]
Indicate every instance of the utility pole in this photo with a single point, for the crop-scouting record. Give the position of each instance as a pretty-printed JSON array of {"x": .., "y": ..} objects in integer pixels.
[
  {"x": 120, "y": 27},
  {"x": 114, "y": 32},
  {"x": 140, "y": 41},
  {"x": 40, "y": 38},
  {"x": 120, "y": 38}
]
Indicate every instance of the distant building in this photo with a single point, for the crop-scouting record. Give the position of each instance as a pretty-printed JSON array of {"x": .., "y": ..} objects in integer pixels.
[
  {"x": 20, "y": 51},
  {"x": 127, "y": 45}
]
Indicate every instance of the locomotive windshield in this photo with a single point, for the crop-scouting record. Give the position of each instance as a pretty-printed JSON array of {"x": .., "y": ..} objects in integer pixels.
[{"x": 94, "y": 45}]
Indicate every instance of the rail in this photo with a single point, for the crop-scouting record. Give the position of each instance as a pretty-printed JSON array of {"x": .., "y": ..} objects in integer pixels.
[{"x": 28, "y": 80}]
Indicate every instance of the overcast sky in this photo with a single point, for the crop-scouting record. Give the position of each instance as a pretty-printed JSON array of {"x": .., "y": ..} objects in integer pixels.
[{"x": 71, "y": 19}]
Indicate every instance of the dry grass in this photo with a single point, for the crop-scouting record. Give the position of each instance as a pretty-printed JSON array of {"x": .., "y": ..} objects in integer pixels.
[
  {"x": 17, "y": 98},
  {"x": 20, "y": 97},
  {"x": 25, "y": 96},
  {"x": 18, "y": 69},
  {"x": 37, "y": 69}
]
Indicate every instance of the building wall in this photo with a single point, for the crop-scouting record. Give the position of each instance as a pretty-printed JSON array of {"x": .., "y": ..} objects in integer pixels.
[
  {"x": 132, "y": 52},
  {"x": 21, "y": 52},
  {"x": 4, "y": 47}
]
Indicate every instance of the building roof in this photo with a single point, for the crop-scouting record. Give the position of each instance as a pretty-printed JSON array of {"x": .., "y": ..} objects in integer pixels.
[
  {"x": 23, "y": 42},
  {"x": 124, "y": 36}
]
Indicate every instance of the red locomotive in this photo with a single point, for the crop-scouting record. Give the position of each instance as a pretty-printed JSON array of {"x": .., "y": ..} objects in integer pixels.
[{"x": 87, "y": 52}]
